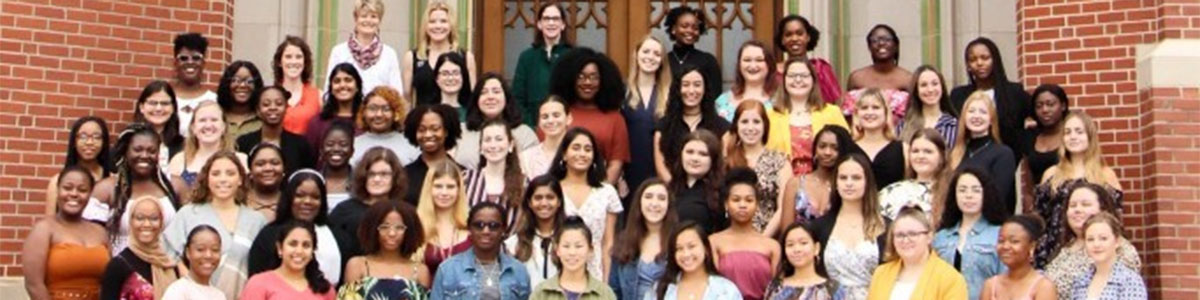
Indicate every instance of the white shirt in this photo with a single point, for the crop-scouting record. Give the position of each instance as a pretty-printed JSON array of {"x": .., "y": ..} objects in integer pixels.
[
  {"x": 187, "y": 108},
  {"x": 903, "y": 290},
  {"x": 385, "y": 71},
  {"x": 186, "y": 289},
  {"x": 328, "y": 256}
]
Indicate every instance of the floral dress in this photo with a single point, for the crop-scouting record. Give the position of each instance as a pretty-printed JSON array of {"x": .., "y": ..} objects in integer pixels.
[
  {"x": 850, "y": 268},
  {"x": 594, "y": 211},
  {"x": 767, "y": 168},
  {"x": 821, "y": 291},
  {"x": 372, "y": 288},
  {"x": 1050, "y": 203}
]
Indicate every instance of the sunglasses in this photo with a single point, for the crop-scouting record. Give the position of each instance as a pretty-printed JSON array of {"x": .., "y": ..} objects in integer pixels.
[
  {"x": 481, "y": 225},
  {"x": 189, "y": 58}
]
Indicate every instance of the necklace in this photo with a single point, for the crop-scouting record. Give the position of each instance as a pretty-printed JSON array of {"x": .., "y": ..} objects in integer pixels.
[
  {"x": 676, "y": 56},
  {"x": 976, "y": 151},
  {"x": 489, "y": 272}
]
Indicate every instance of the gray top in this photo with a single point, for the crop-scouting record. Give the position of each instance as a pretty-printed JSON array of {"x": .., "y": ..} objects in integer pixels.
[
  {"x": 466, "y": 153},
  {"x": 392, "y": 140}
]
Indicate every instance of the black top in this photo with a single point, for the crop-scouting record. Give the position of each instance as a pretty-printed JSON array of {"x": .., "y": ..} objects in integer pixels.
[
  {"x": 297, "y": 153},
  {"x": 672, "y": 136},
  {"x": 118, "y": 271},
  {"x": 416, "y": 178},
  {"x": 693, "y": 206},
  {"x": 998, "y": 161},
  {"x": 639, "y": 121},
  {"x": 1038, "y": 162},
  {"x": 1012, "y": 107},
  {"x": 823, "y": 229},
  {"x": 347, "y": 215},
  {"x": 888, "y": 165},
  {"x": 424, "y": 81},
  {"x": 264, "y": 256},
  {"x": 707, "y": 63}
]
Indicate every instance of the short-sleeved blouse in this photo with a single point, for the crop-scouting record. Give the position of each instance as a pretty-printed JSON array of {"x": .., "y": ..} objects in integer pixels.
[{"x": 603, "y": 200}]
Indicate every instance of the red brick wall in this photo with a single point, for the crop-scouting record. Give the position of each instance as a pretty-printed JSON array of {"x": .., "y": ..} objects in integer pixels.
[
  {"x": 1149, "y": 135},
  {"x": 63, "y": 59}
]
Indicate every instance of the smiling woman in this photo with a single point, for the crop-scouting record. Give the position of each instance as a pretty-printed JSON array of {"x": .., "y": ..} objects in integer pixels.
[{"x": 303, "y": 200}]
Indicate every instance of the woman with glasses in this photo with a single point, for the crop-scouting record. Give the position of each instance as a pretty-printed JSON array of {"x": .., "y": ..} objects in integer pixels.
[
  {"x": 531, "y": 81},
  {"x": 390, "y": 234},
  {"x": 913, "y": 270},
  {"x": 235, "y": 94}
]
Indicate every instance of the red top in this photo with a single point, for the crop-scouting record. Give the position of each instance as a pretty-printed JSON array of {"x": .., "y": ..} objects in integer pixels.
[
  {"x": 297, "y": 117},
  {"x": 608, "y": 128}
]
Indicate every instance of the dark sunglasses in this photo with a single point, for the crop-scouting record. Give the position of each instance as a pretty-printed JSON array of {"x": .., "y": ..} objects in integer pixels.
[
  {"x": 481, "y": 225},
  {"x": 189, "y": 58}
]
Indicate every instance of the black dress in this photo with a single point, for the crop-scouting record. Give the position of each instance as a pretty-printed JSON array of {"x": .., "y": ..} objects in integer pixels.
[
  {"x": 888, "y": 165},
  {"x": 424, "y": 81},
  {"x": 1012, "y": 107},
  {"x": 997, "y": 161},
  {"x": 707, "y": 63},
  {"x": 674, "y": 131},
  {"x": 297, "y": 154},
  {"x": 692, "y": 206}
]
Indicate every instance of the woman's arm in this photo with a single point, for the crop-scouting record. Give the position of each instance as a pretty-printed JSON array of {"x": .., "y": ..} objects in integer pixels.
[
  {"x": 33, "y": 257},
  {"x": 776, "y": 222},
  {"x": 660, "y": 166},
  {"x": 52, "y": 196},
  {"x": 613, "y": 171},
  {"x": 114, "y": 278},
  {"x": 471, "y": 69},
  {"x": 610, "y": 228},
  {"x": 406, "y": 71}
]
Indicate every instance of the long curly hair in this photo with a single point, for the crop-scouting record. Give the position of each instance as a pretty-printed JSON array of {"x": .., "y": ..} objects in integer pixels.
[{"x": 566, "y": 73}]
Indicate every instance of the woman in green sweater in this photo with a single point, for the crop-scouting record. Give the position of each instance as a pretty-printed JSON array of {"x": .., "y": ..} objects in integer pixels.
[{"x": 531, "y": 81}]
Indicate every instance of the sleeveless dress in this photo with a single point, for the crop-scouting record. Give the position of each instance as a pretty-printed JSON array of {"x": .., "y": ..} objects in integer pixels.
[
  {"x": 749, "y": 270},
  {"x": 778, "y": 291},
  {"x": 74, "y": 271},
  {"x": 434, "y": 255},
  {"x": 1028, "y": 293},
  {"x": 767, "y": 167},
  {"x": 378, "y": 288},
  {"x": 850, "y": 268}
]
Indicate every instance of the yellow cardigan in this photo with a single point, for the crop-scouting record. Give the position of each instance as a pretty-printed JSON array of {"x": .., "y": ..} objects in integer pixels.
[
  {"x": 939, "y": 281},
  {"x": 780, "y": 137}
]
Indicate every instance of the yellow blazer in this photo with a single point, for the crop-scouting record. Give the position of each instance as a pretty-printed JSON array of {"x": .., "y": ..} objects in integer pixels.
[
  {"x": 939, "y": 281},
  {"x": 780, "y": 137}
]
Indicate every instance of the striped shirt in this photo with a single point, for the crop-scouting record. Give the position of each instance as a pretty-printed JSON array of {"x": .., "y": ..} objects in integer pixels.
[
  {"x": 477, "y": 192},
  {"x": 947, "y": 125}
]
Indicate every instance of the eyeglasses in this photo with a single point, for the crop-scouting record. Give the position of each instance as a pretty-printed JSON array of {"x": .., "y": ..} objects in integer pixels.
[
  {"x": 189, "y": 58},
  {"x": 551, "y": 19},
  {"x": 379, "y": 108},
  {"x": 158, "y": 103},
  {"x": 588, "y": 77},
  {"x": 449, "y": 73},
  {"x": 797, "y": 76},
  {"x": 881, "y": 40},
  {"x": 392, "y": 228},
  {"x": 908, "y": 236},
  {"x": 89, "y": 137},
  {"x": 481, "y": 225},
  {"x": 242, "y": 81}
]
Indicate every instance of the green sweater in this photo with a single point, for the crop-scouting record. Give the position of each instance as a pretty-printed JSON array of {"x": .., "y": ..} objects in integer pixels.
[
  {"x": 531, "y": 81},
  {"x": 551, "y": 290}
]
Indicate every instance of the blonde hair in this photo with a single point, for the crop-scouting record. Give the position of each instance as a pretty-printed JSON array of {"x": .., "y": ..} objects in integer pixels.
[
  {"x": 395, "y": 101},
  {"x": 425, "y": 207},
  {"x": 960, "y": 143},
  {"x": 423, "y": 41},
  {"x": 1093, "y": 165},
  {"x": 911, "y": 213},
  {"x": 889, "y": 131},
  {"x": 375, "y": 6},
  {"x": 662, "y": 81},
  {"x": 192, "y": 144}
]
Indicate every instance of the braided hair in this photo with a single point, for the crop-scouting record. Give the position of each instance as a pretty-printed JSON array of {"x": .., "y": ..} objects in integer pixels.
[{"x": 123, "y": 190}]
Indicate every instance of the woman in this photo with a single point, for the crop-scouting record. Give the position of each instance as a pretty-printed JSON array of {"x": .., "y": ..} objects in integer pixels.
[
  {"x": 874, "y": 134},
  {"x": 580, "y": 170},
  {"x": 925, "y": 169},
  {"x": 266, "y": 179},
  {"x": 272, "y": 110},
  {"x": 220, "y": 201},
  {"x": 142, "y": 271},
  {"x": 483, "y": 271},
  {"x": 685, "y": 25},
  {"x": 499, "y": 178},
  {"x": 65, "y": 256},
  {"x": 202, "y": 254},
  {"x": 913, "y": 270},
  {"x": 303, "y": 200},
  {"x": 454, "y": 84},
  {"x": 689, "y": 109},
  {"x": 748, "y": 150},
  {"x": 979, "y": 146},
  {"x": 1079, "y": 162},
  {"x": 382, "y": 117},
  {"x": 573, "y": 249},
  {"x": 209, "y": 136},
  {"x": 985, "y": 70},
  {"x": 852, "y": 232},
  {"x": 87, "y": 147},
  {"x": 438, "y": 36},
  {"x": 812, "y": 191},
  {"x": 541, "y": 217},
  {"x": 1051, "y": 106},
  {"x": 740, "y": 252},
  {"x": 342, "y": 101},
  {"x": 1085, "y": 200},
  {"x": 553, "y": 119},
  {"x": 640, "y": 253},
  {"x": 378, "y": 179},
  {"x": 591, "y": 85},
  {"x": 443, "y": 213},
  {"x": 970, "y": 228},
  {"x": 700, "y": 176},
  {"x": 366, "y": 52},
  {"x": 137, "y": 175},
  {"x": 799, "y": 112},
  {"x": 885, "y": 72},
  {"x": 297, "y": 246},
  {"x": 235, "y": 94},
  {"x": 1018, "y": 237},
  {"x": 156, "y": 106},
  {"x": 1107, "y": 279},
  {"x": 292, "y": 66},
  {"x": 928, "y": 107},
  {"x": 334, "y": 162},
  {"x": 691, "y": 272},
  {"x": 797, "y": 37},
  {"x": 491, "y": 104},
  {"x": 531, "y": 80},
  {"x": 649, "y": 83},
  {"x": 434, "y": 130},
  {"x": 390, "y": 234},
  {"x": 754, "y": 80},
  {"x": 799, "y": 277}
]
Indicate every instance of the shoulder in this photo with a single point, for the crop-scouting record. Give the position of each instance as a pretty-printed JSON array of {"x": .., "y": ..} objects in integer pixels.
[
  {"x": 341, "y": 50},
  {"x": 721, "y": 284}
]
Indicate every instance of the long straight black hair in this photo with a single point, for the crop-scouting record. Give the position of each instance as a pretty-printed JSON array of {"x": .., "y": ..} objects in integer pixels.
[
  {"x": 312, "y": 271},
  {"x": 330, "y": 108},
  {"x": 103, "y": 158}
]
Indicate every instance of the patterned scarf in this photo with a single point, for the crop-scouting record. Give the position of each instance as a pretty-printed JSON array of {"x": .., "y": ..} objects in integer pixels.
[{"x": 365, "y": 55}]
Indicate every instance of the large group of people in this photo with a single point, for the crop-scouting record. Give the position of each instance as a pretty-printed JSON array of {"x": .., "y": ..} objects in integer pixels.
[{"x": 414, "y": 177}]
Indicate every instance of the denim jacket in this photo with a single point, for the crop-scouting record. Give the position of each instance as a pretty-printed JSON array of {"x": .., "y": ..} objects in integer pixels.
[
  {"x": 457, "y": 278},
  {"x": 979, "y": 259},
  {"x": 624, "y": 280}
]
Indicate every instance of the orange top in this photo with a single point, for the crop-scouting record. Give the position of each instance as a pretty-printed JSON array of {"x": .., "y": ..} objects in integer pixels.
[
  {"x": 297, "y": 117},
  {"x": 74, "y": 271}
]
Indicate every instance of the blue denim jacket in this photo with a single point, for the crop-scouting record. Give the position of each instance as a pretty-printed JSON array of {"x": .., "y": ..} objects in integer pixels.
[
  {"x": 457, "y": 278},
  {"x": 979, "y": 259},
  {"x": 624, "y": 280}
]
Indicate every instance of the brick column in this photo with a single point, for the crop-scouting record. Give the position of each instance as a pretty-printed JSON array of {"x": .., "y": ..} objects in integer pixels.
[
  {"x": 63, "y": 59},
  {"x": 1118, "y": 61}
]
